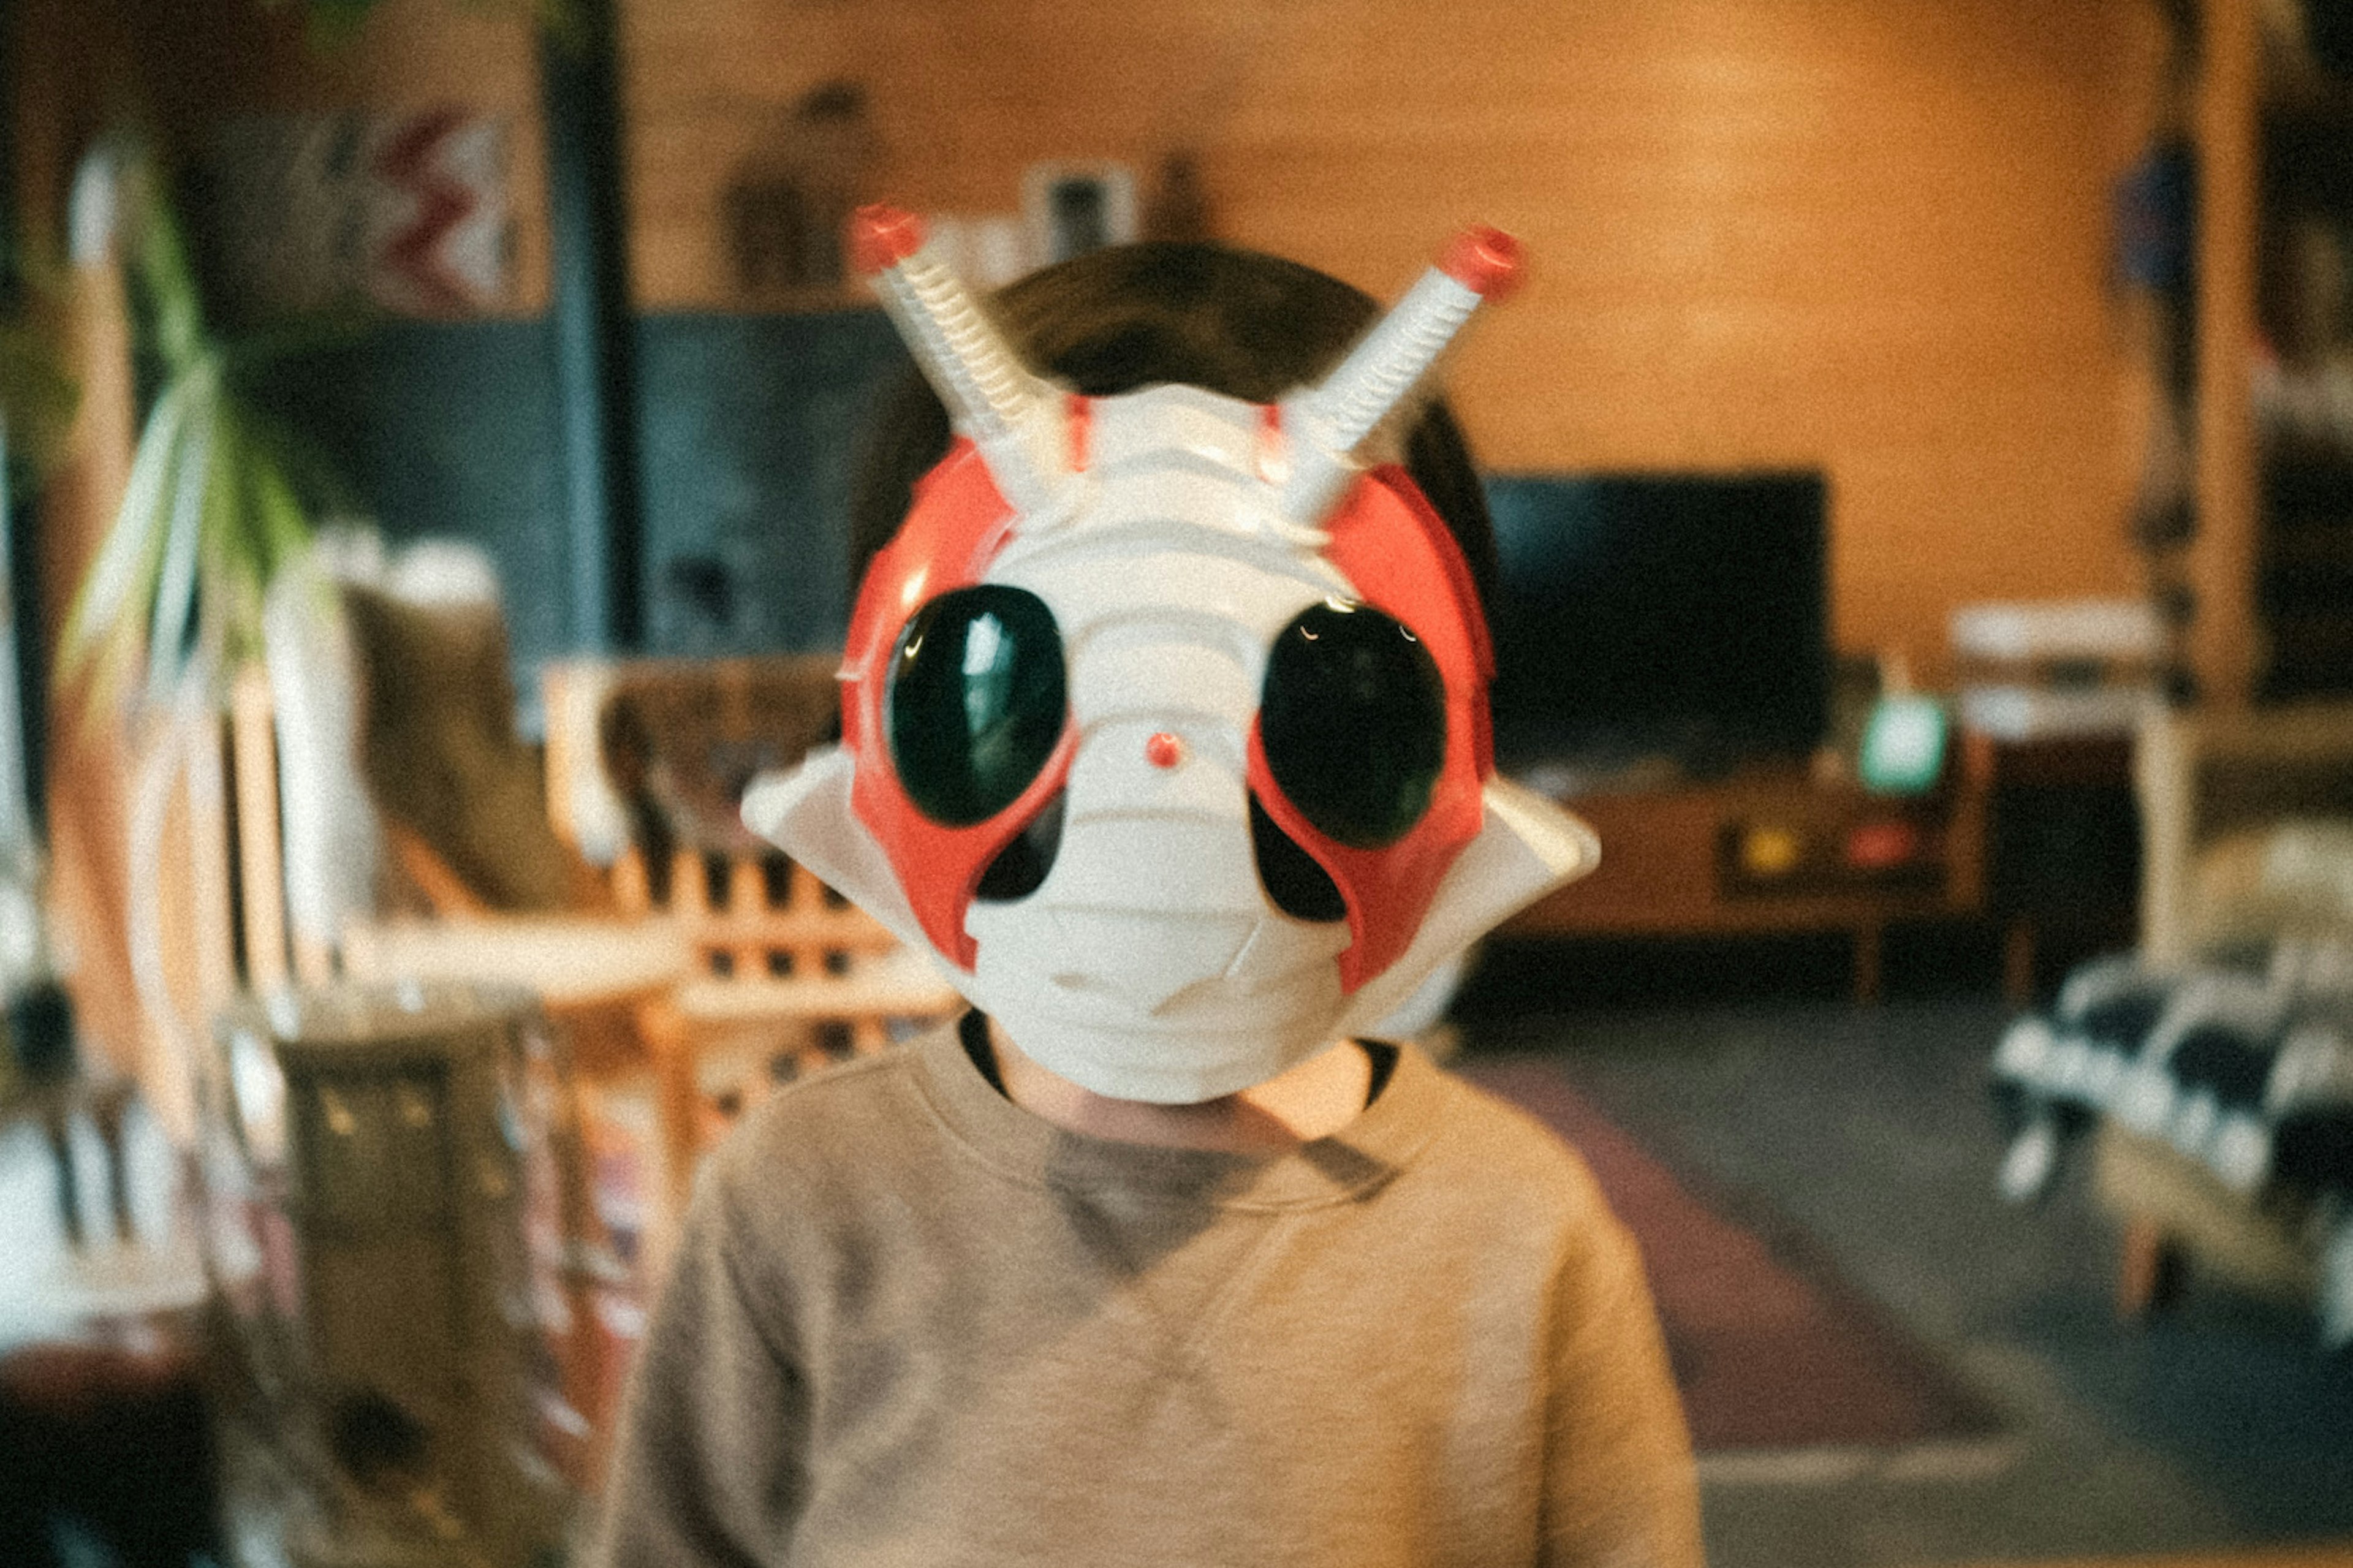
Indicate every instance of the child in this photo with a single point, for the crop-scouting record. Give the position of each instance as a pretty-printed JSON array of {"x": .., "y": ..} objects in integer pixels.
[{"x": 1164, "y": 726}]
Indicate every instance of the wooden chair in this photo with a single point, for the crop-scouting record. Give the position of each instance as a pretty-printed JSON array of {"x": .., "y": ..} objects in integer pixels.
[
  {"x": 2206, "y": 783},
  {"x": 782, "y": 972},
  {"x": 2201, "y": 778},
  {"x": 788, "y": 975}
]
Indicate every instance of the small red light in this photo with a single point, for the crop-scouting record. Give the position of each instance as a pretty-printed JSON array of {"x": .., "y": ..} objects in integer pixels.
[
  {"x": 1875, "y": 845},
  {"x": 1164, "y": 751}
]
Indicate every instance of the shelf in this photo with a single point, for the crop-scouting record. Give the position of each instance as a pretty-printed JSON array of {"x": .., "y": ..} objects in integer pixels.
[
  {"x": 1779, "y": 853},
  {"x": 2297, "y": 89},
  {"x": 2272, "y": 564}
]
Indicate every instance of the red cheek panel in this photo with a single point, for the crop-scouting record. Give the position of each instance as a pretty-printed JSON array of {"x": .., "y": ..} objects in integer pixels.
[
  {"x": 958, "y": 524},
  {"x": 1390, "y": 544}
]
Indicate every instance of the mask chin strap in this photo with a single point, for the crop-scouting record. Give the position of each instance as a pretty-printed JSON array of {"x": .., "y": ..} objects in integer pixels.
[
  {"x": 1016, "y": 418},
  {"x": 807, "y": 812}
]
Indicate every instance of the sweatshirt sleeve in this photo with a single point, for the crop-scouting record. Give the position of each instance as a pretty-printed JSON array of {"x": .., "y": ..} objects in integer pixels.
[
  {"x": 1619, "y": 1487},
  {"x": 708, "y": 1469}
]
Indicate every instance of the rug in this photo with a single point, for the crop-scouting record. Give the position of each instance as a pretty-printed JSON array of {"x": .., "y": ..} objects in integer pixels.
[{"x": 1773, "y": 1355}]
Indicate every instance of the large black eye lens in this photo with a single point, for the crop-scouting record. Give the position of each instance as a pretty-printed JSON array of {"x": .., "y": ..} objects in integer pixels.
[
  {"x": 975, "y": 702},
  {"x": 1353, "y": 718}
]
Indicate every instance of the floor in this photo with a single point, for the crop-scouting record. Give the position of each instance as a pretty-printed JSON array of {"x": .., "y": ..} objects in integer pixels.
[
  {"x": 1867, "y": 1129},
  {"x": 2213, "y": 1439},
  {"x": 2286, "y": 1557}
]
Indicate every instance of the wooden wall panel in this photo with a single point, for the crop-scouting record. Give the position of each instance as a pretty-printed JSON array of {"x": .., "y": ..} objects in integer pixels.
[{"x": 1865, "y": 236}]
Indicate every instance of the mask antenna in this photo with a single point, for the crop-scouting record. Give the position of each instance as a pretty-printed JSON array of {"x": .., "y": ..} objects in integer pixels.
[
  {"x": 1338, "y": 421},
  {"x": 1012, "y": 416}
]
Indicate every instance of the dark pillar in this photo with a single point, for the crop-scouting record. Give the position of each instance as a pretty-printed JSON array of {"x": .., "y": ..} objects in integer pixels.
[
  {"x": 595, "y": 333},
  {"x": 22, "y": 667}
]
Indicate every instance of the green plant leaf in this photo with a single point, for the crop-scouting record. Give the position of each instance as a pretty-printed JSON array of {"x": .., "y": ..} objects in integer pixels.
[
  {"x": 111, "y": 606},
  {"x": 303, "y": 471},
  {"x": 165, "y": 280},
  {"x": 265, "y": 523},
  {"x": 218, "y": 498},
  {"x": 184, "y": 539},
  {"x": 240, "y": 542},
  {"x": 282, "y": 527},
  {"x": 238, "y": 561}
]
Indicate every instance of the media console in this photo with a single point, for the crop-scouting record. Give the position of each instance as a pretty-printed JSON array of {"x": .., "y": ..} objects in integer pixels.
[{"x": 1774, "y": 850}]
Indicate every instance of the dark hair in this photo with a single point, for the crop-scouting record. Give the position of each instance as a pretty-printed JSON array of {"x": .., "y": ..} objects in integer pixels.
[{"x": 1234, "y": 322}]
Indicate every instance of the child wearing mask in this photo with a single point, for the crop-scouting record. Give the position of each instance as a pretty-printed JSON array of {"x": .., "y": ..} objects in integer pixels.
[{"x": 1165, "y": 729}]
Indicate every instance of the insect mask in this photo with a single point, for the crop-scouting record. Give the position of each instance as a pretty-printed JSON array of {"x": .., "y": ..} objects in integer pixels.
[{"x": 1165, "y": 714}]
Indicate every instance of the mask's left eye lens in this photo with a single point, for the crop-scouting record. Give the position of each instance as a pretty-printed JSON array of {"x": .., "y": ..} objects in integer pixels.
[
  {"x": 975, "y": 702},
  {"x": 1352, "y": 717}
]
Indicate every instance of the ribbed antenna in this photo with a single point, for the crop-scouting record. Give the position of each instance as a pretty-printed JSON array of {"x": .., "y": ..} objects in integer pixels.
[
  {"x": 1011, "y": 414},
  {"x": 1338, "y": 420}
]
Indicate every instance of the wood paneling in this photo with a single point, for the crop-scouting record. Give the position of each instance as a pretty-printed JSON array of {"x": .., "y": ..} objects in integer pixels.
[
  {"x": 1766, "y": 232},
  {"x": 2223, "y": 571}
]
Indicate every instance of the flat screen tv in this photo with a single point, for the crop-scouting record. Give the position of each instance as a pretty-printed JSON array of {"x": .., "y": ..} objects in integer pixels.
[{"x": 1649, "y": 618}]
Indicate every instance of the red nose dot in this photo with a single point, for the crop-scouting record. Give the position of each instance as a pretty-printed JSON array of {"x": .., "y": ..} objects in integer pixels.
[{"x": 1164, "y": 751}]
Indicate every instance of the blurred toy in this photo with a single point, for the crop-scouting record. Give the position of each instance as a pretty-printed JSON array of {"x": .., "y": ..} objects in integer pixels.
[{"x": 399, "y": 1232}]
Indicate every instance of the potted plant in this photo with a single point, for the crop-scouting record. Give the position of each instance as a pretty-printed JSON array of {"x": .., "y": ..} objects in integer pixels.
[
  {"x": 218, "y": 497},
  {"x": 219, "y": 500}
]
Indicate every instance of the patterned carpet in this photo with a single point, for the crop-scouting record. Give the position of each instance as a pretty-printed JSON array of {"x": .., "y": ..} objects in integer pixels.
[
  {"x": 1772, "y": 1354},
  {"x": 1864, "y": 1137}
]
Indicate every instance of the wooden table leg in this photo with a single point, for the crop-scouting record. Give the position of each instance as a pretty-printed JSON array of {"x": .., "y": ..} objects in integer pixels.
[
  {"x": 2018, "y": 963},
  {"x": 2149, "y": 1272},
  {"x": 1867, "y": 944}
]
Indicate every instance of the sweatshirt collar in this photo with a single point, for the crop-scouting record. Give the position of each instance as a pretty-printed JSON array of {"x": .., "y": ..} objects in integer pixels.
[{"x": 1370, "y": 1152}]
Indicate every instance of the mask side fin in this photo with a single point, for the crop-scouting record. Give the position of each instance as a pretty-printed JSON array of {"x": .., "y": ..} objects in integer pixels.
[
  {"x": 806, "y": 812},
  {"x": 1527, "y": 848}
]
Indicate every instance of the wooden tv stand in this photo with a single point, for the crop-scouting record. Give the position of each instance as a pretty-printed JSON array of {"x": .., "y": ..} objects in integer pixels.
[{"x": 1774, "y": 850}]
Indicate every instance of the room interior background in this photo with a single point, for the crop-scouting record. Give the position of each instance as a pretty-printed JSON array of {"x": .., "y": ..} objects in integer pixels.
[{"x": 1871, "y": 240}]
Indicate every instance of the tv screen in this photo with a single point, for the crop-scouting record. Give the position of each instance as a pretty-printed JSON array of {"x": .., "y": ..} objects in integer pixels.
[{"x": 1642, "y": 618}]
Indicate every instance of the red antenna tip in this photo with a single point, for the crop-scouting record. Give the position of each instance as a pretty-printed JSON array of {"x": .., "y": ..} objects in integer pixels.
[
  {"x": 881, "y": 236},
  {"x": 1484, "y": 260}
]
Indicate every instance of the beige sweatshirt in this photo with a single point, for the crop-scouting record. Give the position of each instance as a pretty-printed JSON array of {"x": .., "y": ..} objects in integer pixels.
[{"x": 912, "y": 1324}]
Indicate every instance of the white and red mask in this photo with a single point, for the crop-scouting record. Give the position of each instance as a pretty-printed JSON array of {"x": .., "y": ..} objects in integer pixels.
[{"x": 1165, "y": 714}]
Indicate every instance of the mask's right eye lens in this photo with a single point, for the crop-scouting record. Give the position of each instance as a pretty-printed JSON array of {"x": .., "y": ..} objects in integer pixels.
[{"x": 975, "y": 702}]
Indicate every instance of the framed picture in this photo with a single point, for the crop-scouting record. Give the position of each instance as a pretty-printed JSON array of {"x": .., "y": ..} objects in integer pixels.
[
  {"x": 408, "y": 212},
  {"x": 1072, "y": 208}
]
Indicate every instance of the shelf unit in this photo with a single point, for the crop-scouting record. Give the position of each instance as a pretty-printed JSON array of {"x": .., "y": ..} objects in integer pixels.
[
  {"x": 2272, "y": 564},
  {"x": 1774, "y": 850}
]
